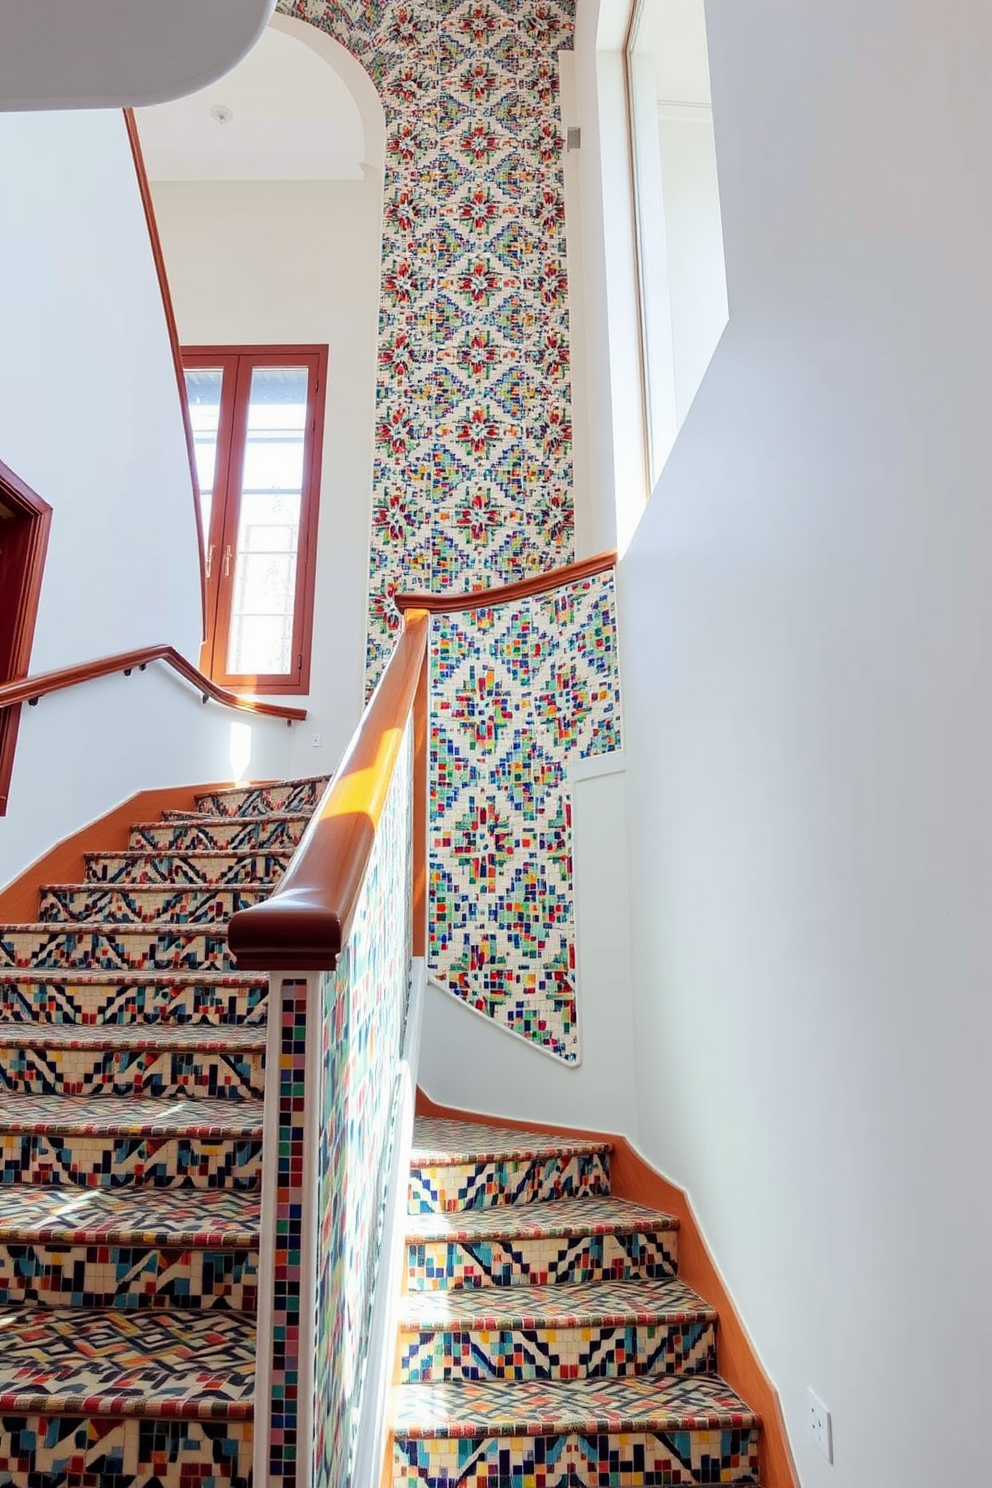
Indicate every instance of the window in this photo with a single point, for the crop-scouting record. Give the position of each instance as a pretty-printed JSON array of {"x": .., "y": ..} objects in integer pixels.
[
  {"x": 257, "y": 418},
  {"x": 24, "y": 523}
]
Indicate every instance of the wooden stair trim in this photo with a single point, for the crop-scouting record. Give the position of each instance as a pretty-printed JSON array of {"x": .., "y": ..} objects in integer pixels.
[
  {"x": 633, "y": 1178},
  {"x": 107, "y": 833}
]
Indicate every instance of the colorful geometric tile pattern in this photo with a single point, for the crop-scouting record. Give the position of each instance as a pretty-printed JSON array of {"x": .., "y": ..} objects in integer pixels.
[
  {"x": 567, "y": 1381},
  {"x": 275, "y": 833},
  {"x": 517, "y": 692},
  {"x": 147, "y": 904},
  {"x": 472, "y": 477},
  {"x": 363, "y": 1009},
  {"x": 264, "y": 800},
  {"x": 483, "y": 1185},
  {"x": 133, "y": 1065},
  {"x": 185, "y": 868},
  {"x": 82, "y": 998},
  {"x": 57, "y": 1451}
]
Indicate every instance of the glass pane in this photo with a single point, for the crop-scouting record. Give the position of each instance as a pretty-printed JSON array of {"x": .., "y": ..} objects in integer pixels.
[
  {"x": 263, "y": 603},
  {"x": 203, "y": 389}
]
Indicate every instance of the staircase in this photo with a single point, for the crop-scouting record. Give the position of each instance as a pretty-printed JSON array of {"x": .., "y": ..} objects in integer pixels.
[
  {"x": 131, "y": 1083},
  {"x": 545, "y": 1338}
]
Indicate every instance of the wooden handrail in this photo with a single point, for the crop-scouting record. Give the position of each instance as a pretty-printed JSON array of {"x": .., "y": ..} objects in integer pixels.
[
  {"x": 145, "y": 192},
  {"x": 303, "y": 925},
  {"x": 32, "y": 688},
  {"x": 479, "y": 599}
]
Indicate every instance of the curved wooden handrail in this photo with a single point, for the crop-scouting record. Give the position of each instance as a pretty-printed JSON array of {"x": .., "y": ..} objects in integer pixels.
[
  {"x": 148, "y": 206},
  {"x": 478, "y": 599},
  {"x": 32, "y": 688},
  {"x": 305, "y": 922}
]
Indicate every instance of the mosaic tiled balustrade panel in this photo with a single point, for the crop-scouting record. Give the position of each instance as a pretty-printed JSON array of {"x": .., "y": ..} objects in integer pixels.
[
  {"x": 363, "y": 1004},
  {"x": 517, "y": 693},
  {"x": 472, "y": 481}
]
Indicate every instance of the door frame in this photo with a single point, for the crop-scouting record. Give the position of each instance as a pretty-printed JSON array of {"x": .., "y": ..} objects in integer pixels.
[{"x": 23, "y": 547}]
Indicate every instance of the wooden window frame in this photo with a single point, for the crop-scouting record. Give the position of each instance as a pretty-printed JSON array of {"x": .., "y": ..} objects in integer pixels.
[
  {"x": 238, "y": 363},
  {"x": 22, "y": 566}
]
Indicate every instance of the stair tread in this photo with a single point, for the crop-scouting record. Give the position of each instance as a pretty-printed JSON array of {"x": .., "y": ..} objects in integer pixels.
[
  {"x": 214, "y": 817},
  {"x": 556, "y": 1217},
  {"x": 582, "y": 1304},
  {"x": 113, "y": 1115},
  {"x": 223, "y": 1218},
  {"x": 192, "y": 1037},
  {"x": 160, "y": 976},
  {"x": 541, "y": 1407},
  {"x": 112, "y": 1363},
  {"x": 440, "y": 1142}
]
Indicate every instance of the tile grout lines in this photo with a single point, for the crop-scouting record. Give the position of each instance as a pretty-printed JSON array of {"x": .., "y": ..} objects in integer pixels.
[
  {"x": 545, "y": 1337},
  {"x": 131, "y": 1066}
]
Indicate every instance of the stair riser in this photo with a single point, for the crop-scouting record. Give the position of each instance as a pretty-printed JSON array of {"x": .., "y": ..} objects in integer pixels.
[
  {"x": 472, "y": 1186},
  {"x": 127, "y": 1277},
  {"x": 48, "y": 1002},
  {"x": 87, "y": 1161},
  {"x": 141, "y": 906},
  {"x": 557, "y": 1352},
  {"x": 125, "y": 949},
  {"x": 175, "y": 868},
  {"x": 677, "y": 1458},
  {"x": 132, "y": 1072},
  {"x": 258, "y": 800},
  {"x": 526, "y": 1261},
  {"x": 39, "y": 1451},
  {"x": 235, "y": 835}
]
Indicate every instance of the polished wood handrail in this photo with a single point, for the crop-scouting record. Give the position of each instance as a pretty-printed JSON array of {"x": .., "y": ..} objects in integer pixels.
[
  {"x": 32, "y": 688},
  {"x": 303, "y": 925},
  {"x": 148, "y": 206},
  {"x": 483, "y": 599}
]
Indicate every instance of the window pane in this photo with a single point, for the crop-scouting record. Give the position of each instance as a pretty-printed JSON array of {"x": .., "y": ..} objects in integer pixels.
[
  {"x": 261, "y": 627},
  {"x": 203, "y": 388}
]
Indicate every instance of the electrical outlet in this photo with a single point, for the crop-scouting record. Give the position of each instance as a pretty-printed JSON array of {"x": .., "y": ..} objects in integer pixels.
[
  {"x": 819, "y": 1424},
  {"x": 316, "y": 741}
]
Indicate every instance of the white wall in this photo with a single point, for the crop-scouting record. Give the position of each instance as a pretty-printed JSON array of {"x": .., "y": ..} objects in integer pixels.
[
  {"x": 269, "y": 262},
  {"x": 807, "y": 614},
  {"x": 89, "y": 417}
]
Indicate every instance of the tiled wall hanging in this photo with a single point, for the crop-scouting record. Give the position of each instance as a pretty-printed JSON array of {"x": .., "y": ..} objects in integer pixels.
[
  {"x": 472, "y": 481},
  {"x": 517, "y": 692},
  {"x": 363, "y": 1003}
]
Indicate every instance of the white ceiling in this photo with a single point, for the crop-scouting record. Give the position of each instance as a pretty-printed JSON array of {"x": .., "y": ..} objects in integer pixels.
[
  {"x": 108, "y": 53},
  {"x": 292, "y": 118}
]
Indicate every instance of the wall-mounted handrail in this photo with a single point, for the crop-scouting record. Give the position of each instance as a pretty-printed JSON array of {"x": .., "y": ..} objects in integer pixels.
[
  {"x": 145, "y": 192},
  {"x": 304, "y": 924},
  {"x": 477, "y": 599},
  {"x": 32, "y": 688}
]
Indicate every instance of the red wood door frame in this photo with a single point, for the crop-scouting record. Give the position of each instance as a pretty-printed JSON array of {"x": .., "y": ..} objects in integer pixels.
[{"x": 23, "y": 545}]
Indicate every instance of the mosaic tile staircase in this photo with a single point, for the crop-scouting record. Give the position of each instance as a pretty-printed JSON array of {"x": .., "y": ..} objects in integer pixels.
[
  {"x": 131, "y": 1083},
  {"x": 545, "y": 1339}
]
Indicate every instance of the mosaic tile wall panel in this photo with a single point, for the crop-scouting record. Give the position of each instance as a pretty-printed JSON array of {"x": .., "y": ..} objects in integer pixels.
[
  {"x": 517, "y": 692},
  {"x": 472, "y": 481},
  {"x": 364, "y": 1014}
]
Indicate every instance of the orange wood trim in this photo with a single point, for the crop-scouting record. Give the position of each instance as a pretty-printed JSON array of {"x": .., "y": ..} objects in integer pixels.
[
  {"x": 144, "y": 190},
  {"x": 478, "y": 599},
  {"x": 634, "y": 1178},
  {"x": 125, "y": 661},
  {"x": 304, "y": 924},
  {"x": 65, "y": 862},
  {"x": 420, "y": 814},
  {"x": 22, "y": 567}
]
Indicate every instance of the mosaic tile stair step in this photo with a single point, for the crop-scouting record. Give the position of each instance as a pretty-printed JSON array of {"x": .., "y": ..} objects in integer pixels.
[
  {"x": 128, "y": 1248},
  {"x": 457, "y": 1165},
  {"x": 611, "y": 1329},
  {"x": 189, "y": 868},
  {"x": 218, "y": 834},
  {"x": 146, "y": 904},
  {"x": 159, "y": 946},
  {"x": 156, "y": 1059},
  {"x": 114, "y": 1364},
  {"x": 56, "y": 1451},
  {"x": 264, "y": 799},
  {"x": 572, "y": 1240},
  {"x": 674, "y": 1430},
  {"x": 80, "y": 997},
  {"x": 113, "y": 1141}
]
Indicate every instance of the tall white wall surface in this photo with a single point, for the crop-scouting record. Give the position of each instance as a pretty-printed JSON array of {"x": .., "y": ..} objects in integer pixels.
[
  {"x": 807, "y": 614},
  {"x": 270, "y": 262},
  {"x": 90, "y": 418}
]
